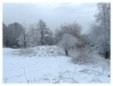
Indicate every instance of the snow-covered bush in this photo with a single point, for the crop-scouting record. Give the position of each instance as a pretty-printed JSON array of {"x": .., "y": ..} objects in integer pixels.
[{"x": 82, "y": 56}]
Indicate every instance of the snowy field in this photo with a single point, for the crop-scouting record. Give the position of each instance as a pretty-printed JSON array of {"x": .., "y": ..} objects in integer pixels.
[{"x": 48, "y": 64}]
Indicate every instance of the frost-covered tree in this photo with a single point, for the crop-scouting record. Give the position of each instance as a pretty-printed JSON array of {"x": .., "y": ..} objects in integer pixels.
[
  {"x": 68, "y": 42},
  {"x": 5, "y": 32},
  {"x": 73, "y": 29},
  {"x": 33, "y": 37},
  {"x": 48, "y": 38},
  {"x": 69, "y": 37},
  {"x": 14, "y": 31},
  {"x": 100, "y": 35},
  {"x": 22, "y": 40},
  {"x": 39, "y": 34},
  {"x": 46, "y": 33},
  {"x": 42, "y": 28}
]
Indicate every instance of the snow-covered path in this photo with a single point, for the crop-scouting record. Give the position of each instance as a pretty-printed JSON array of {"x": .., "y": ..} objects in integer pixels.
[{"x": 48, "y": 65}]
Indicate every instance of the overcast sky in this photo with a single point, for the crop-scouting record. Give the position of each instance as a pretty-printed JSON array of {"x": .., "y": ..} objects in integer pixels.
[{"x": 53, "y": 14}]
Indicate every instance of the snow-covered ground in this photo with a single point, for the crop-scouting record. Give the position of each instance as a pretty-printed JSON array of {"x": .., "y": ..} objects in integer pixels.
[{"x": 48, "y": 64}]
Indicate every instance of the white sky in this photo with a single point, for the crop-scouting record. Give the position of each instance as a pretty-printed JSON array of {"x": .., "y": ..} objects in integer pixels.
[{"x": 54, "y": 14}]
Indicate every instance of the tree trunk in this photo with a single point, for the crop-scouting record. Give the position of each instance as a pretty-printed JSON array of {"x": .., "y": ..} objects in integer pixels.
[
  {"x": 42, "y": 37},
  {"x": 107, "y": 54},
  {"x": 25, "y": 45},
  {"x": 66, "y": 52}
]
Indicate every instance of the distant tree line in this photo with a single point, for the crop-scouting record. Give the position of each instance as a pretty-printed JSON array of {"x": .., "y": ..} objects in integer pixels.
[{"x": 16, "y": 36}]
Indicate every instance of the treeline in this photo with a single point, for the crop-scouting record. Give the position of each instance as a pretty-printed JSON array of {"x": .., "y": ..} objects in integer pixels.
[
  {"x": 68, "y": 37},
  {"x": 16, "y": 36}
]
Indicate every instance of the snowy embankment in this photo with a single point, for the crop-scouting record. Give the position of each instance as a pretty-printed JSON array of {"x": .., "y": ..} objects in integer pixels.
[{"x": 48, "y": 64}]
